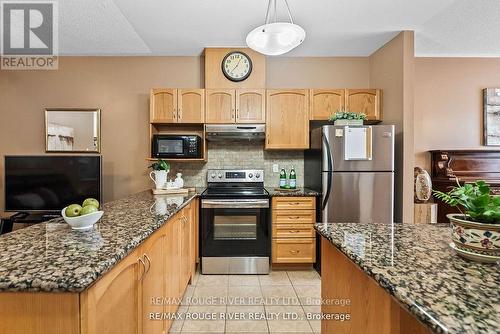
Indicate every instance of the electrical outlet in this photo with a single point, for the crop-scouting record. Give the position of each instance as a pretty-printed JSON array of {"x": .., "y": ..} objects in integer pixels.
[{"x": 276, "y": 168}]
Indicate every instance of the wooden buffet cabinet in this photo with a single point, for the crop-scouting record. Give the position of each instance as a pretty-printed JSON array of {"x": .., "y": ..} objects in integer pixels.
[
  {"x": 448, "y": 166},
  {"x": 120, "y": 302},
  {"x": 294, "y": 237}
]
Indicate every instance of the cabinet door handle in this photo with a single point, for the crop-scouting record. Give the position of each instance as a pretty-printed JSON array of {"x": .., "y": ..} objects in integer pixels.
[
  {"x": 179, "y": 113},
  {"x": 174, "y": 113},
  {"x": 143, "y": 268},
  {"x": 149, "y": 263}
]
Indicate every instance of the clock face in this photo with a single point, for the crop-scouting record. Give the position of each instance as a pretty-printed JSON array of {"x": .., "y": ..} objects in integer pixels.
[{"x": 236, "y": 66}]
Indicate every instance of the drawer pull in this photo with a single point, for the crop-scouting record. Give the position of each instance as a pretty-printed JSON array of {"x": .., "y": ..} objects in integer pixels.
[
  {"x": 294, "y": 251},
  {"x": 294, "y": 231},
  {"x": 294, "y": 203},
  {"x": 296, "y": 217}
]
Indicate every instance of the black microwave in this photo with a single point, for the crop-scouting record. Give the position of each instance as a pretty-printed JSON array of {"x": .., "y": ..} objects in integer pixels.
[{"x": 176, "y": 146}]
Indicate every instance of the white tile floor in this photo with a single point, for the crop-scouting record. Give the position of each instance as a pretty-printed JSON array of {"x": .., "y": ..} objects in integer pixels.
[{"x": 281, "y": 302}]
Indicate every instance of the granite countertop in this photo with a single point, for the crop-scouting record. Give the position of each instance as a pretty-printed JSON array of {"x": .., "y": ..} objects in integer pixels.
[
  {"x": 299, "y": 192},
  {"x": 52, "y": 257},
  {"x": 415, "y": 264}
]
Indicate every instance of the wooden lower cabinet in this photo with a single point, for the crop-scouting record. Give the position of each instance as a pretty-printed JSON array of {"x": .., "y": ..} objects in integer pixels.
[
  {"x": 148, "y": 282},
  {"x": 113, "y": 304},
  {"x": 372, "y": 310},
  {"x": 153, "y": 284},
  {"x": 294, "y": 238}
]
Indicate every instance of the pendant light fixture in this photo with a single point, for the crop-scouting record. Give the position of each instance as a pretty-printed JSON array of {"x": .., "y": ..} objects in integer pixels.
[{"x": 276, "y": 38}]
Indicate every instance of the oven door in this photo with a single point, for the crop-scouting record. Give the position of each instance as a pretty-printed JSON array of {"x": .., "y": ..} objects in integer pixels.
[{"x": 235, "y": 228}]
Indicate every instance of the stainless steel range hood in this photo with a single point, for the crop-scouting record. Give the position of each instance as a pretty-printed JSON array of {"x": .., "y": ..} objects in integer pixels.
[{"x": 218, "y": 132}]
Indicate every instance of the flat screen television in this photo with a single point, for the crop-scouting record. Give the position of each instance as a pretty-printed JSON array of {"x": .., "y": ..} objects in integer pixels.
[{"x": 49, "y": 183}]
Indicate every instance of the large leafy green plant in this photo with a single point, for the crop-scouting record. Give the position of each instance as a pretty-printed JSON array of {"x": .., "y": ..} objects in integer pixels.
[
  {"x": 160, "y": 164},
  {"x": 476, "y": 199}
]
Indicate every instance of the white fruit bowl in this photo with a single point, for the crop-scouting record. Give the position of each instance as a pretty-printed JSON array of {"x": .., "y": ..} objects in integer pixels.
[{"x": 82, "y": 222}]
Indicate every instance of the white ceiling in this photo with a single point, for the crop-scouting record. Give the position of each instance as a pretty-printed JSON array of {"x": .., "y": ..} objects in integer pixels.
[{"x": 333, "y": 27}]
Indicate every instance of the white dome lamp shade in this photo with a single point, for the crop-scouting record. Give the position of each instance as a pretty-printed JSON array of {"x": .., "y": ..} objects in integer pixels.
[{"x": 276, "y": 38}]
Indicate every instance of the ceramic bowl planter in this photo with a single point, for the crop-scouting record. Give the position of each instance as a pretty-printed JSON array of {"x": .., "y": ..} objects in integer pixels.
[{"x": 473, "y": 240}]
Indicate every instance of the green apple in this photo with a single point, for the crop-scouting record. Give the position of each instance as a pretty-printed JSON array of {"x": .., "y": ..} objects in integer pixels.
[
  {"x": 88, "y": 209},
  {"x": 73, "y": 210},
  {"x": 91, "y": 201}
]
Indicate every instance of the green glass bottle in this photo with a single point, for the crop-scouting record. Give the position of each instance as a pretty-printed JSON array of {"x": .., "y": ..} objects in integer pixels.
[
  {"x": 293, "y": 179},
  {"x": 282, "y": 178}
]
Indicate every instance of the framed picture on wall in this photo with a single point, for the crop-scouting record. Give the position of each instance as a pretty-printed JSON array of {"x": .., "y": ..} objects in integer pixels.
[{"x": 491, "y": 116}]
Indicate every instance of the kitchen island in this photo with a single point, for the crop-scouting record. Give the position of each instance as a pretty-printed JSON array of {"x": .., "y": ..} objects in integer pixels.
[
  {"x": 404, "y": 279},
  {"x": 57, "y": 280}
]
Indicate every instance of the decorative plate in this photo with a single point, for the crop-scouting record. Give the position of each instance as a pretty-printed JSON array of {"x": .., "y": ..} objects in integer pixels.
[
  {"x": 423, "y": 185},
  {"x": 474, "y": 256}
]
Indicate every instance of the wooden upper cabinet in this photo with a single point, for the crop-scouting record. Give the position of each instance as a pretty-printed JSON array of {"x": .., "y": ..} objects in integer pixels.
[
  {"x": 163, "y": 105},
  {"x": 191, "y": 105},
  {"x": 325, "y": 102},
  {"x": 220, "y": 106},
  {"x": 250, "y": 106},
  {"x": 111, "y": 304},
  {"x": 287, "y": 119},
  {"x": 366, "y": 101}
]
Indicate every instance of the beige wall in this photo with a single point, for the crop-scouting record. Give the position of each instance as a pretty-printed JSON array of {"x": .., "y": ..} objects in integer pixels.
[
  {"x": 392, "y": 70},
  {"x": 449, "y": 103},
  {"x": 120, "y": 87}
]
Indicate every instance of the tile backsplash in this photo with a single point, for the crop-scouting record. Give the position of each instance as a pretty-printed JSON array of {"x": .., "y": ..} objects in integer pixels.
[{"x": 241, "y": 154}]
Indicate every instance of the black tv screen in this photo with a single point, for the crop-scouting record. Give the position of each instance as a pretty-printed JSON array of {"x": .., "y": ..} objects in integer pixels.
[{"x": 49, "y": 183}]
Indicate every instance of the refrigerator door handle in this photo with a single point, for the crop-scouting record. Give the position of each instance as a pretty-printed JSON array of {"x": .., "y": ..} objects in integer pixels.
[{"x": 326, "y": 147}]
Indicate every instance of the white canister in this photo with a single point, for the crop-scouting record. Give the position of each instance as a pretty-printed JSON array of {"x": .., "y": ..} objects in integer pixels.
[
  {"x": 179, "y": 182},
  {"x": 160, "y": 178}
]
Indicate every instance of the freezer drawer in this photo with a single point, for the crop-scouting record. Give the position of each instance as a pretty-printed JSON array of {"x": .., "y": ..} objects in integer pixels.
[{"x": 350, "y": 197}]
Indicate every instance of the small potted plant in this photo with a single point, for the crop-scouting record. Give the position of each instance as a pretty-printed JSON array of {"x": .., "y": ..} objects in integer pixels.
[
  {"x": 476, "y": 229},
  {"x": 159, "y": 173},
  {"x": 345, "y": 117}
]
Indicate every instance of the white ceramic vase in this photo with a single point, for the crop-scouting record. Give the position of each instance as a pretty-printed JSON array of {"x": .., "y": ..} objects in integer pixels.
[{"x": 159, "y": 177}]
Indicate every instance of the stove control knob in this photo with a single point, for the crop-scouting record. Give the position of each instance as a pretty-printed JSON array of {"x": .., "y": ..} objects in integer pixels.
[
  {"x": 257, "y": 175},
  {"x": 250, "y": 175},
  {"x": 212, "y": 175},
  {"x": 219, "y": 175}
]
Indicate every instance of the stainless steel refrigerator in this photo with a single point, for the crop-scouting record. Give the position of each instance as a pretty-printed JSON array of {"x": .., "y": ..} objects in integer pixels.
[{"x": 353, "y": 166}]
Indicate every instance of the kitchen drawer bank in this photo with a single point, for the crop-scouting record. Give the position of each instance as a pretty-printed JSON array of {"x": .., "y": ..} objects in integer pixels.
[
  {"x": 404, "y": 278},
  {"x": 57, "y": 280},
  {"x": 294, "y": 239}
]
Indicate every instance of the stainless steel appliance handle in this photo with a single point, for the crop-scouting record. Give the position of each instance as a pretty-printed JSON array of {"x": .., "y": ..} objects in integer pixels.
[
  {"x": 234, "y": 203},
  {"x": 327, "y": 191}
]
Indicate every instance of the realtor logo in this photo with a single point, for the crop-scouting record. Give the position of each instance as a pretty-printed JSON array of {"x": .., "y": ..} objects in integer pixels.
[{"x": 28, "y": 35}]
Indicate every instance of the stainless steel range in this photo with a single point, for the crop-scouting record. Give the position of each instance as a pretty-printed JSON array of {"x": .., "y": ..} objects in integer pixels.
[{"x": 235, "y": 223}]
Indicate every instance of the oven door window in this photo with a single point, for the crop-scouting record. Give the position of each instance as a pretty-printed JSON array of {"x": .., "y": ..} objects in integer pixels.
[
  {"x": 235, "y": 232},
  {"x": 170, "y": 146},
  {"x": 237, "y": 227}
]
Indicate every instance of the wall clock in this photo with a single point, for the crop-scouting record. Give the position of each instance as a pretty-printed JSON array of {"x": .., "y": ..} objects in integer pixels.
[{"x": 236, "y": 66}]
